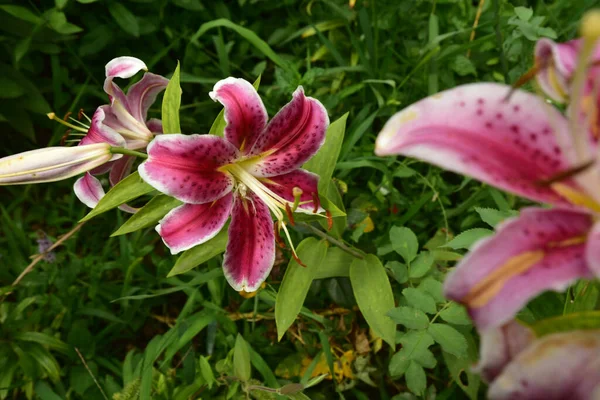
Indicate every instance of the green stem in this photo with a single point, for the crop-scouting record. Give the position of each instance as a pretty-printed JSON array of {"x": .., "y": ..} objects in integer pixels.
[
  {"x": 127, "y": 152},
  {"x": 332, "y": 240}
]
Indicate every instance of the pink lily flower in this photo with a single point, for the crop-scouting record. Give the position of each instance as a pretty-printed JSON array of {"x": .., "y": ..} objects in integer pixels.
[
  {"x": 250, "y": 173},
  {"x": 517, "y": 365},
  {"x": 122, "y": 121},
  {"x": 556, "y": 64},
  {"x": 522, "y": 145}
]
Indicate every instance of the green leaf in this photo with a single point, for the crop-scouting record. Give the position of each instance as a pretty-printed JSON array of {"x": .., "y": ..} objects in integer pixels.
[
  {"x": 171, "y": 103},
  {"x": 459, "y": 367},
  {"x": 197, "y": 255},
  {"x": 374, "y": 296},
  {"x": 493, "y": 217},
  {"x": 434, "y": 288},
  {"x": 296, "y": 282},
  {"x": 45, "y": 340},
  {"x": 451, "y": 340},
  {"x": 241, "y": 359},
  {"x": 9, "y": 89},
  {"x": 409, "y": 317},
  {"x": 247, "y": 34},
  {"x": 22, "y": 13},
  {"x": 416, "y": 345},
  {"x": 524, "y": 13},
  {"x": 467, "y": 238},
  {"x": 420, "y": 299},
  {"x": 586, "y": 294},
  {"x": 404, "y": 242},
  {"x": 336, "y": 263},
  {"x": 564, "y": 323},
  {"x": 421, "y": 265},
  {"x": 45, "y": 392},
  {"x": 323, "y": 163},
  {"x": 191, "y": 5},
  {"x": 455, "y": 314},
  {"x": 148, "y": 215},
  {"x": 398, "y": 364},
  {"x": 207, "y": 372},
  {"x": 124, "y": 18},
  {"x": 399, "y": 271},
  {"x": 128, "y": 189},
  {"x": 58, "y": 21},
  {"x": 415, "y": 378}
]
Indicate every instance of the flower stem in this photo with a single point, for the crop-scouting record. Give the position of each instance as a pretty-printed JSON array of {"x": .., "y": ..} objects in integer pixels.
[
  {"x": 332, "y": 240},
  {"x": 127, "y": 152}
]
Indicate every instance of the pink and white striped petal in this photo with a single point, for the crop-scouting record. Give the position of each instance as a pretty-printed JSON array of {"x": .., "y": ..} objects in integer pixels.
[
  {"x": 558, "y": 366},
  {"x": 155, "y": 125},
  {"x": 88, "y": 190},
  {"x": 540, "y": 250},
  {"x": 245, "y": 113},
  {"x": 250, "y": 252},
  {"x": 143, "y": 94},
  {"x": 187, "y": 167},
  {"x": 473, "y": 130},
  {"x": 121, "y": 67},
  {"x": 120, "y": 169},
  {"x": 192, "y": 224},
  {"x": 283, "y": 185},
  {"x": 592, "y": 252},
  {"x": 499, "y": 346},
  {"x": 99, "y": 132},
  {"x": 292, "y": 137}
]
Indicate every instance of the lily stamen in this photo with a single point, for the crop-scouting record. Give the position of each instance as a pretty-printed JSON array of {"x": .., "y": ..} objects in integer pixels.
[{"x": 53, "y": 116}]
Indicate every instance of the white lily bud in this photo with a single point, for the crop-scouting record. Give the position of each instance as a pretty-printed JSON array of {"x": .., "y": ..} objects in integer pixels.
[{"x": 53, "y": 163}]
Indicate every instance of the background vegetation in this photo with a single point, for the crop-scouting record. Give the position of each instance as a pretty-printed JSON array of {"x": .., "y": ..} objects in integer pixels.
[{"x": 100, "y": 319}]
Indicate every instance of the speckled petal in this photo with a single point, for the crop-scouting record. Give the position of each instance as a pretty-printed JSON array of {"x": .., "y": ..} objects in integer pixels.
[
  {"x": 250, "y": 252},
  {"x": 499, "y": 346},
  {"x": 538, "y": 251},
  {"x": 245, "y": 112},
  {"x": 473, "y": 130},
  {"x": 88, "y": 190},
  {"x": 283, "y": 185},
  {"x": 101, "y": 133},
  {"x": 292, "y": 137},
  {"x": 120, "y": 169},
  {"x": 143, "y": 94},
  {"x": 186, "y": 167},
  {"x": 593, "y": 250},
  {"x": 554, "y": 367},
  {"x": 192, "y": 224}
]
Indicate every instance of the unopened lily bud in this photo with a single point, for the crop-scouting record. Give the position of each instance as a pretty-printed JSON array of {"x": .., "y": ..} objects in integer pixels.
[{"x": 53, "y": 163}]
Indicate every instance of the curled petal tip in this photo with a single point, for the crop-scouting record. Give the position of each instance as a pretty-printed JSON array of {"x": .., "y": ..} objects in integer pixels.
[{"x": 124, "y": 67}]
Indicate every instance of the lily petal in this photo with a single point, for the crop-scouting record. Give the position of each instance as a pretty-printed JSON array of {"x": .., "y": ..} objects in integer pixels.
[
  {"x": 558, "y": 366},
  {"x": 283, "y": 185},
  {"x": 143, "y": 94},
  {"x": 192, "y": 224},
  {"x": 120, "y": 169},
  {"x": 250, "y": 252},
  {"x": 499, "y": 346},
  {"x": 52, "y": 164},
  {"x": 88, "y": 190},
  {"x": 292, "y": 137},
  {"x": 593, "y": 249},
  {"x": 557, "y": 63},
  {"x": 473, "y": 130},
  {"x": 155, "y": 125},
  {"x": 121, "y": 67},
  {"x": 186, "y": 167},
  {"x": 538, "y": 251},
  {"x": 101, "y": 133},
  {"x": 245, "y": 113}
]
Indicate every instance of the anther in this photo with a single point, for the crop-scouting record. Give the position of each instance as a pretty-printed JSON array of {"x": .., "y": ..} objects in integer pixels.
[
  {"x": 80, "y": 114},
  {"x": 298, "y": 260},
  {"x": 329, "y": 220},
  {"x": 569, "y": 173},
  {"x": 289, "y": 213},
  {"x": 316, "y": 202},
  {"x": 67, "y": 115},
  {"x": 278, "y": 239},
  {"x": 526, "y": 77}
]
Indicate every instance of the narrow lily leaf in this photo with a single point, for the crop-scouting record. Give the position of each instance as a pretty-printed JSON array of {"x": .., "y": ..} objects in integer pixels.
[
  {"x": 171, "y": 103},
  {"x": 336, "y": 263},
  {"x": 374, "y": 296},
  {"x": 125, "y": 18},
  {"x": 569, "y": 322},
  {"x": 296, "y": 282},
  {"x": 148, "y": 215},
  {"x": 247, "y": 34},
  {"x": 241, "y": 359},
  {"x": 128, "y": 189},
  {"x": 323, "y": 163},
  {"x": 218, "y": 126},
  {"x": 197, "y": 255}
]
